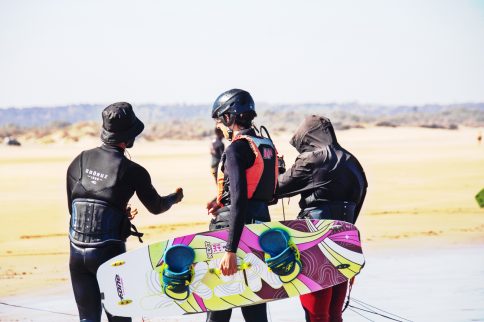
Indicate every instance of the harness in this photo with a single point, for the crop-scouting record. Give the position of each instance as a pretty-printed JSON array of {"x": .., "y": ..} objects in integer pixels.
[
  {"x": 95, "y": 223},
  {"x": 261, "y": 176},
  {"x": 334, "y": 210}
]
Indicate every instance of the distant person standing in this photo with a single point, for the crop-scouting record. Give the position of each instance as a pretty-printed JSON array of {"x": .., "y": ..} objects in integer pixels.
[
  {"x": 100, "y": 183},
  {"x": 332, "y": 185},
  {"x": 217, "y": 148},
  {"x": 479, "y": 138}
]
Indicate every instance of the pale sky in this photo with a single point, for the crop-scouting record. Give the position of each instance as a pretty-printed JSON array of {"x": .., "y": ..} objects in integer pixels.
[{"x": 189, "y": 51}]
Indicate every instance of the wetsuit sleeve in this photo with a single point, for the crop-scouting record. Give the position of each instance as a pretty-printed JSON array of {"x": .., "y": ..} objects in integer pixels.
[
  {"x": 73, "y": 172},
  {"x": 148, "y": 195},
  {"x": 239, "y": 157},
  {"x": 291, "y": 182}
]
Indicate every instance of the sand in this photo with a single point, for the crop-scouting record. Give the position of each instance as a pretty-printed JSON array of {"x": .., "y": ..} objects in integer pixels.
[{"x": 422, "y": 184}]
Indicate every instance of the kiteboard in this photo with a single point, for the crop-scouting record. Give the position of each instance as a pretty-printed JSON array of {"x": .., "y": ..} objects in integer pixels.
[{"x": 276, "y": 260}]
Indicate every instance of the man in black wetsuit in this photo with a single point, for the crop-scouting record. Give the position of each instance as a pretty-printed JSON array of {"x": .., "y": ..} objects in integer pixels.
[
  {"x": 246, "y": 183},
  {"x": 332, "y": 185},
  {"x": 100, "y": 183}
]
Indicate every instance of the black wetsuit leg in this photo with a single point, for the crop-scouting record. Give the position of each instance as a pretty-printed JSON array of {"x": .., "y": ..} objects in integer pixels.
[
  {"x": 83, "y": 265},
  {"x": 219, "y": 316},
  {"x": 253, "y": 313}
]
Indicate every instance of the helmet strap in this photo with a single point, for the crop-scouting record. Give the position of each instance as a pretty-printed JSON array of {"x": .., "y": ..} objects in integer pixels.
[
  {"x": 228, "y": 133},
  {"x": 228, "y": 119}
]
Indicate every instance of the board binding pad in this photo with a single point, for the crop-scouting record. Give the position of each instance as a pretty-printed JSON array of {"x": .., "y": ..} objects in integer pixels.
[{"x": 325, "y": 253}]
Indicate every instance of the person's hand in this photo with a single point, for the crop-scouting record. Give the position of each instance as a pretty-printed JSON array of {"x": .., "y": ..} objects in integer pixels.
[
  {"x": 131, "y": 212},
  {"x": 212, "y": 208},
  {"x": 179, "y": 195},
  {"x": 212, "y": 203},
  {"x": 228, "y": 265}
]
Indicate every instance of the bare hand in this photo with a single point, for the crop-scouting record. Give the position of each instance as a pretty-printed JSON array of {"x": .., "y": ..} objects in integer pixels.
[
  {"x": 228, "y": 265},
  {"x": 212, "y": 203},
  {"x": 212, "y": 208},
  {"x": 131, "y": 212},
  {"x": 179, "y": 195}
]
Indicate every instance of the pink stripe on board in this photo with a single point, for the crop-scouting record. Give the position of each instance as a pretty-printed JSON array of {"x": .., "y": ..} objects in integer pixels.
[
  {"x": 188, "y": 239},
  {"x": 250, "y": 238},
  {"x": 312, "y": 285},
  {"x": 352, "y": 237},
  {"x": 304, "y": 246},
  {"x": 343, "y": 236},
  {"x": 243, "y": 246},
  {"x": 178, "y": 240},
  {"x": 221, "y": 234},
  {"x": 199, "y": 301}
]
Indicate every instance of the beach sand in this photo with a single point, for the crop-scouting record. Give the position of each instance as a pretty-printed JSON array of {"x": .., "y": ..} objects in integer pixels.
[{"x": 420, "y": 207}]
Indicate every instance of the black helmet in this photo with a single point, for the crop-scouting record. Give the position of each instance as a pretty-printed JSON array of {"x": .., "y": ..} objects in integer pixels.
[{"x": 234, "y": 101}]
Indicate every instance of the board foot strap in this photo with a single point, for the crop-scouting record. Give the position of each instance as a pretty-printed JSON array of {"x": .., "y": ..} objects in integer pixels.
[
  {"x": 177, "y": 272},
  {"x": 281, "y": 255}
]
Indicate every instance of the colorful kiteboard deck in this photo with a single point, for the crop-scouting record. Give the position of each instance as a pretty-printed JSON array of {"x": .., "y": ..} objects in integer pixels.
[{"x": 320, "y": 254}]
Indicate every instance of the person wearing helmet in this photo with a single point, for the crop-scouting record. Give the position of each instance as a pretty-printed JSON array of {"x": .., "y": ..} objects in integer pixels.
[
  {"x": 100, "y": 183},
  {"x": 246, "y": 183},
  {"x": 332, "y": 185}
]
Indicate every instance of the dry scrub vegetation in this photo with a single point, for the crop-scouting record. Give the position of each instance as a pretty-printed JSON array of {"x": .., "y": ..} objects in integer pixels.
[{"x": 200, "y": 128}]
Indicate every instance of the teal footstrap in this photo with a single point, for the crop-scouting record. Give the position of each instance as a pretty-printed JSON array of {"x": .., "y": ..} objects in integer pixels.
[
  {"x": 281, "y": 257},
  {"x": 177, "y": 272}
]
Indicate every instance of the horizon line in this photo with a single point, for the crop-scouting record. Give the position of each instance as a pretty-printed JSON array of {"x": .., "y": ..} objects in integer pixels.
[{"x": 182, "y": 104}]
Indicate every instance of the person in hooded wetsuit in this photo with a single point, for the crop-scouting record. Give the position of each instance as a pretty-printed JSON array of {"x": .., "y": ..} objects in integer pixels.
[
  {"x": 100, "y": 183},
  {"x": 246, "y": 178},
  {"x": 332, "y": 185}
]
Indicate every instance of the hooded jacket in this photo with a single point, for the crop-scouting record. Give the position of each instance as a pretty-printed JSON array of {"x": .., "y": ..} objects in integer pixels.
[{"x": 324, "y": 173}]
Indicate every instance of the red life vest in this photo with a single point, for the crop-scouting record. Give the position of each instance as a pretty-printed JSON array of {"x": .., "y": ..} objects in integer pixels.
[{"x": 261, "y": 176}]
